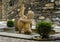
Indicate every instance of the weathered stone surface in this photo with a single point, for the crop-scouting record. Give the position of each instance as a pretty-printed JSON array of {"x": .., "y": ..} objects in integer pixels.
[{"x": 7, "y": 39}]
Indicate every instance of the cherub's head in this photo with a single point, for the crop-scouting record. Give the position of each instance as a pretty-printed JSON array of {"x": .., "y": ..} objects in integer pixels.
[{"x": 30, "y": 14}]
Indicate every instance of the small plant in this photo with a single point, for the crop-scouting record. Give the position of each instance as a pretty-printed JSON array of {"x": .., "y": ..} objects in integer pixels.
[
  {"x": 10, "y": 23},
  {"x": 43, "y": 28}
]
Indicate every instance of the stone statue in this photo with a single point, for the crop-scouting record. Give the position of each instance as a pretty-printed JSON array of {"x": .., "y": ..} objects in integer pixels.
[
  {"x": 24, "y": 23},
  {"x": 28, "y": 22}
]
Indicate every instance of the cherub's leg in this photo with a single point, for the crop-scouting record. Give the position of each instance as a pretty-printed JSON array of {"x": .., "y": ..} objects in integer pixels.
[
  {"x": 27, "y": 29},
  {"x": 20, "y": 29},
  {"x": 20, "y": 26}
]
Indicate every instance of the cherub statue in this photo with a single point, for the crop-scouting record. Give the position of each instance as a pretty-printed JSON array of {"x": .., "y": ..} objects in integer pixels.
[
  {"x": 24, "y": 23},
  {"x": 27, "y": 22}
]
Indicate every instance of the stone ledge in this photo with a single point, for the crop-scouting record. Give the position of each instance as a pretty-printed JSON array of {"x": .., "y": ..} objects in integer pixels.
[
  {"x": 14, "y": 35},
  {"x": 22, "y": 36}
]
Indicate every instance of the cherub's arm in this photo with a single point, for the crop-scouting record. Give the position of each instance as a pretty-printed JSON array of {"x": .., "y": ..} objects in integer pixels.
[
  {"x": 25, "y": 20},
  {"x": 22, "y": 9}
]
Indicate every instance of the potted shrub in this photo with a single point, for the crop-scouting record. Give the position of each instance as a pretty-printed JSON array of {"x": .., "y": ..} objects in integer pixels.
[
  {"x": 10, "y": 23},
  {"x": 43, "y": 28}
]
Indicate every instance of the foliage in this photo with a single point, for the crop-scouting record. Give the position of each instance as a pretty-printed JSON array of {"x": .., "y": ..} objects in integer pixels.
[
  {"x": 10, "y": 23},
  {"x": 43, "y": 28}
]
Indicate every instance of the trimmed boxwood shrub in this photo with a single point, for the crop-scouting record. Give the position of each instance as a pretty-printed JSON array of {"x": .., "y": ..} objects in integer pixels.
[
  {"x": 43, "y": 28},
  {"x": 10, "y": 23}
]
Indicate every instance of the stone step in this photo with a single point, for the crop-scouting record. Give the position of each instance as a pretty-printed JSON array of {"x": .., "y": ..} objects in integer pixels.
[{"x": 16, "y": 35}]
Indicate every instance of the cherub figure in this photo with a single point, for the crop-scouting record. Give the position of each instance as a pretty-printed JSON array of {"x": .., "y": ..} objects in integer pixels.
[
  {"x": 24, "y": 23},
  {"x": 27, "y": 22}
]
